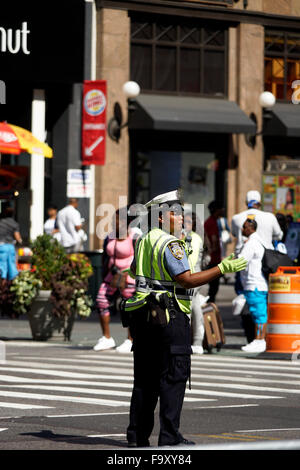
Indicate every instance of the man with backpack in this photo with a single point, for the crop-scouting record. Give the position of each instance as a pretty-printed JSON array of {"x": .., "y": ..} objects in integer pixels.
[{"x": 255, "y": 286}]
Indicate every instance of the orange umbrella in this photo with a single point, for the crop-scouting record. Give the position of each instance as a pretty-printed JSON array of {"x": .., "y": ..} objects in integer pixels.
[{"x": 14, "y": 139}]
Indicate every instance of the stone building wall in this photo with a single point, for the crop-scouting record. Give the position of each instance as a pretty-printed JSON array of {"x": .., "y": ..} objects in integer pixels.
[{"x": 113, "y": 48}]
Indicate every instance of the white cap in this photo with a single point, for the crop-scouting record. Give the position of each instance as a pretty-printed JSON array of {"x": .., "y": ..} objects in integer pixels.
[
  {"x": 253, "y": 196},
  {"x": 170, "y": 197}
]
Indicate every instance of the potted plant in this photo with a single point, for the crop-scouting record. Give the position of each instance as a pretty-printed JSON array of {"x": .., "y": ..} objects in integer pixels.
[
  {"x": 69, "y": 290},
  {"x": 54, "y": 291}
]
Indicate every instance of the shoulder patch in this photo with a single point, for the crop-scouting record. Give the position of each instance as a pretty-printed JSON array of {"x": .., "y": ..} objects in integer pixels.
[{"x": 176, "y": 250}]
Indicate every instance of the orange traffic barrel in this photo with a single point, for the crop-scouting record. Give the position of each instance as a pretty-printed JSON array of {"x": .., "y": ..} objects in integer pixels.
[{"x": 283, "y": 327}]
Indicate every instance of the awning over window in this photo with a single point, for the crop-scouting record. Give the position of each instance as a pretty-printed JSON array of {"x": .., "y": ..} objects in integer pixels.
[
  {"x": 189, "y": 114},
  {"x": 284, "y": 121}
]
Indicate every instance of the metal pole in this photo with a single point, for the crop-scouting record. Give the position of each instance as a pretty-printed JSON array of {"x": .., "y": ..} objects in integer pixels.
[{"x": 90, "y": 74}]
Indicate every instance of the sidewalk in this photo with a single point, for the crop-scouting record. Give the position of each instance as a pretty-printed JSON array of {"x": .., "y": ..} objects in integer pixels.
[{"x": 87, "y": 331}]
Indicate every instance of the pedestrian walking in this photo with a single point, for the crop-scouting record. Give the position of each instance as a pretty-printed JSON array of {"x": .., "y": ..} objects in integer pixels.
[
  {"x": 211, "y": 230},
  {"x": 9, "y": 235},
  {"x": 159, "y": 317},
  {"x": 255, "y": 286},
  {"x": 118, "y": 254},
  {"x": 69, "y": 223},
  {"x": 268, "y": 229},
  {"x": 194, "y": 245},
  {"x": 51, "y": 225}
]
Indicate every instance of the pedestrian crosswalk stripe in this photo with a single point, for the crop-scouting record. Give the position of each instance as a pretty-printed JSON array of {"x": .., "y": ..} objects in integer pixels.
[
  {"x": 128, "y": 394},
  {"x": 106, "y": 380},
  {"x": 195, "y": 366},
  {"x": 36, "y": 396},
  {"x": 59, "y": 373},
  {"x": 22, "y": 406},
  {"x": 117, "y": 379},
  {"x": 42, "y": 367},
  {"x": 86, "y": 391}
]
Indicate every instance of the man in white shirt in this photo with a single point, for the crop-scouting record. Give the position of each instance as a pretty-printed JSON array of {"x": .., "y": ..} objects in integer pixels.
[
  {"x": 69, "y": 224},
  {"x": 268, "y": 227},
  {"x": 255, "y": 286}
]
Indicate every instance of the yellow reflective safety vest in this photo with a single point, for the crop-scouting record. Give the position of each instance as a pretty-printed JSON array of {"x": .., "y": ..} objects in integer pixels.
[{"x": 151, "y": 274}]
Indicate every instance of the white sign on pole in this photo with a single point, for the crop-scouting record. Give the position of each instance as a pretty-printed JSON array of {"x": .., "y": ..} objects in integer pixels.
[{"x": 79, "y": 183}]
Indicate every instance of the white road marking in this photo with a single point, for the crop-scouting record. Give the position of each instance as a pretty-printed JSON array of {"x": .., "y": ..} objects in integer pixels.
[
  {"x": 110, "y": 393},
  {"x": 58, "y": 373},
  {"x": 247, "y": 387},
  {"x": 88, "y": 414},
  {"x": 43, "y": 365},
  {"x": 258, "y": 369},
  {"x": 90, "y": 401},
  {"x": 11, "y": 378},
  {"x": 225, "y": 406},
  {"x": 128, "y": 394},
  {"x": 4, "y": 404}
]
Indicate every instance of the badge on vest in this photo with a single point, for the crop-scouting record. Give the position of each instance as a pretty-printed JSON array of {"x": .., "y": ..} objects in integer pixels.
[{"x": 176, "y": 250}]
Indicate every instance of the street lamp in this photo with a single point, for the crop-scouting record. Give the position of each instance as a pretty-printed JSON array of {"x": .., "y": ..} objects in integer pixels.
[
  {"x": 266, "y": 100},
  {"x": 131, "y": 90}
]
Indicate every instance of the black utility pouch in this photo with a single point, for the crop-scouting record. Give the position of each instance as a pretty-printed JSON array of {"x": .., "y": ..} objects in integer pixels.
[
  {"x": 126, "y": 317},
  {"x": 180, "y": 363},
  {"x": 157, "y": 311}
]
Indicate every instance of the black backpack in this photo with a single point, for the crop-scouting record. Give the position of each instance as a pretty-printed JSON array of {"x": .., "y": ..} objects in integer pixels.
[{"x": 271, "y": 261}]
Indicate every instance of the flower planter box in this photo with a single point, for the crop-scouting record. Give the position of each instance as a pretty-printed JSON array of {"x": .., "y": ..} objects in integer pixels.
[{"x": 44, "y": 325}]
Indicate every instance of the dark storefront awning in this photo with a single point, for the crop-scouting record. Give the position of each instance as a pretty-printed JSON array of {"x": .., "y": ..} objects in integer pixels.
[
  {"x": 189, "y": 114},
  {"x": 284, "y": 121}
]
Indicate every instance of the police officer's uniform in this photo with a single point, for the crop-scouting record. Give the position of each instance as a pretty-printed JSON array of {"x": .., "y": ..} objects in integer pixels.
[{"x": 161, "y": 343}]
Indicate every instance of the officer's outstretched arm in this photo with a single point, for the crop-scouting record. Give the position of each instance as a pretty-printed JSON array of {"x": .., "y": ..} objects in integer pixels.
[{"x": 189, "y": 280}]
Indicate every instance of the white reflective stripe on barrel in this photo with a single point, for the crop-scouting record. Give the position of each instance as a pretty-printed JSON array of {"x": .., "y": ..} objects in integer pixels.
[
  {"x": 280, "y": 298},
  {"x": 283, "y": 328}
]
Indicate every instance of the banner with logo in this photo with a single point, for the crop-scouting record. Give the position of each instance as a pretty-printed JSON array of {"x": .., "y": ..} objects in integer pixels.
[{"x": 93, "y": 122}]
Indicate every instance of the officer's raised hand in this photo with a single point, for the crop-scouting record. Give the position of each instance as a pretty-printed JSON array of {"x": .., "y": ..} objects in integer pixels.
[
  {"x": 231, "y": 265},
  {"x": 190, "y": 280}
]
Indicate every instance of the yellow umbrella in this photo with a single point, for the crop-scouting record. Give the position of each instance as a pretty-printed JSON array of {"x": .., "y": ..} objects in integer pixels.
[{"x": 14, "y": 139}]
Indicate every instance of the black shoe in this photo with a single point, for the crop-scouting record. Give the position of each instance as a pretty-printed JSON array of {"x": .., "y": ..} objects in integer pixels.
[
  {"x": 185, "y": 442},
  {"x": 143, "y": 444},
  {"x": 131, "y": 444}
]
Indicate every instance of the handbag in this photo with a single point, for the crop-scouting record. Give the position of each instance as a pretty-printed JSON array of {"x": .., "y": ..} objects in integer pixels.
[
  {"x": 225, "y": 234},
  {"x": 119, "y": 278}
]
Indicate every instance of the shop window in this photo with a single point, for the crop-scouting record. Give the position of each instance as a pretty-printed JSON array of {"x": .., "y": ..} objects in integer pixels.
[
  {"x": 179, "y": 56},
  {"x": 282, "y": 63}
]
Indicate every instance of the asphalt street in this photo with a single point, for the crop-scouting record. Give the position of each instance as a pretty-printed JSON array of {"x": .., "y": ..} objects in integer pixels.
[{"x": 58, "y": 395}]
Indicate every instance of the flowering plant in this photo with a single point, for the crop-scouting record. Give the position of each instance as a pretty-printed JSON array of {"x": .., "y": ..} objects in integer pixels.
[
  {"x": 69, "y": 286},
  {"x": 66, "y": 276},
  {"x": 25, "y": 288}
]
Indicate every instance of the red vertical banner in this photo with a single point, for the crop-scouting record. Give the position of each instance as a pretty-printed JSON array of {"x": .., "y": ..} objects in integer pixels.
[{"x": 93, "y": 122}]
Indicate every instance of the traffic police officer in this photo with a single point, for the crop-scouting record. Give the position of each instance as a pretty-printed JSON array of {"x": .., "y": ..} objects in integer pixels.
[{"x": 159, "y": 320}]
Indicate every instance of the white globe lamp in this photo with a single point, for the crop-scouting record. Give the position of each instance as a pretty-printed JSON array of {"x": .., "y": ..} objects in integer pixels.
[
  {"x": 267, "y": 99},
  {"x": 131, "y": 89}
]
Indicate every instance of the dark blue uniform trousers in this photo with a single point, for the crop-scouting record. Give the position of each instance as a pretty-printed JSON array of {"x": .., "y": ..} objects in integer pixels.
[{"x": 162, "y": 365}]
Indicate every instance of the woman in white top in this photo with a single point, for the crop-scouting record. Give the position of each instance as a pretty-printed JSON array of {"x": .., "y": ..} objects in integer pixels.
[{"x": 50, "y": 226}]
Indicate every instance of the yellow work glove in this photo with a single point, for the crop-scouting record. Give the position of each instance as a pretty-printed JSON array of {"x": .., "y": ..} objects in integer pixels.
[{"x": 231, "y": 265}]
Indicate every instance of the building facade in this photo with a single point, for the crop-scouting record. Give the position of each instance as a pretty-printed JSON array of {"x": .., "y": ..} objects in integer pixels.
[{"x": 201, "y": 66}]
